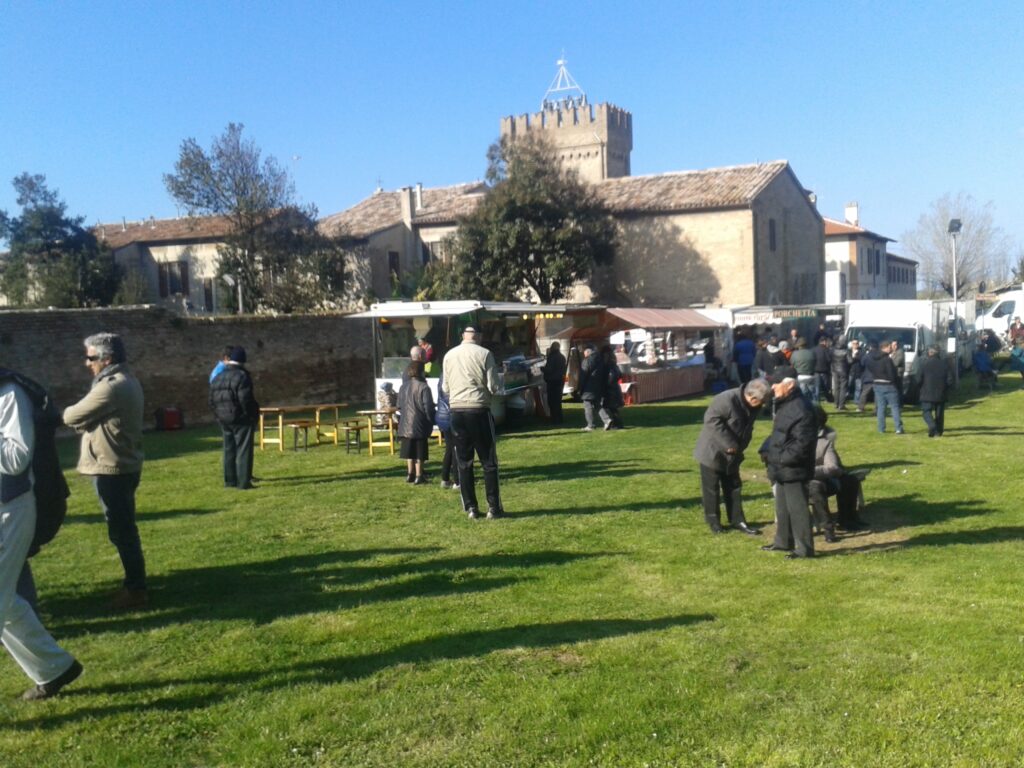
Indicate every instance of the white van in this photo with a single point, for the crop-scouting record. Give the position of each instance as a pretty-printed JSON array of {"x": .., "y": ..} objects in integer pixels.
[{"x": 1008, "y": 305}]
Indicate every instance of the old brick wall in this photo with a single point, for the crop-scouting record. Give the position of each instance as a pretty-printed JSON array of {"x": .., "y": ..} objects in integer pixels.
[{"x": 293, "y": 359}]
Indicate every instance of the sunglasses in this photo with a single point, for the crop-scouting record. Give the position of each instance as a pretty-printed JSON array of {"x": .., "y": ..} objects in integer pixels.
[{"x": 92, "y": 358}]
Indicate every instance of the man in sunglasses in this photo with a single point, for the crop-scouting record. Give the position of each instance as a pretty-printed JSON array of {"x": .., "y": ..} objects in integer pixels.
[{"x": 110, "y": 420}]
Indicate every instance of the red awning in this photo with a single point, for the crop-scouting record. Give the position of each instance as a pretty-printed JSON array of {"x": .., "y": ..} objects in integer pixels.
[{"x": 620, "y": 318}]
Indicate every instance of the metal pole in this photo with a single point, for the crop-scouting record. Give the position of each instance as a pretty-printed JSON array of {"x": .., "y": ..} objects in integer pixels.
[{"x": 956, "y": 322}]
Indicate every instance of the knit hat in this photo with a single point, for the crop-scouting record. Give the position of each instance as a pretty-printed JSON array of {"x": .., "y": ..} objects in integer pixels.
[
  {"x": 237, "y": 355},
  {"x": 783, "y": 372}
]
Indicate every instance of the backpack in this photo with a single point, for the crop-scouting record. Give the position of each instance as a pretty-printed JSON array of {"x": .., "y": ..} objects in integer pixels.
[{"x": 51, "y": 488}]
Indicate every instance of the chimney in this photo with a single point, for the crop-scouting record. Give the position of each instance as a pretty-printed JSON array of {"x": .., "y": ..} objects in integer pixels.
[
  {"x": 853, "y": 214},
  {"x": 406, "y": 198},
  {"x": 419, "y": 195},
  {"x": 124, "y": 224}
]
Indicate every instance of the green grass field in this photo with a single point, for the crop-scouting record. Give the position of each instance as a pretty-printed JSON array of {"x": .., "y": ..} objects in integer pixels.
[{"x": 337, "y": 616}]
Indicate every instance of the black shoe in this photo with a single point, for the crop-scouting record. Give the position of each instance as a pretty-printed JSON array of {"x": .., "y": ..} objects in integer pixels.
[
  {"x": 795, "y": 556},
  {"x": 748, "y": 530},
  {"x": 716, "y": 529},
  {"x": 773, "y": 548},
  {"x": 52, "y": 688},
  {"x": 831, "y": 537},
  {"x": 473, "y": 513},
  {"x": 421, "y": 480},
  {"x": 410, "y": 478},
  {"x": 495, "y": 512}
]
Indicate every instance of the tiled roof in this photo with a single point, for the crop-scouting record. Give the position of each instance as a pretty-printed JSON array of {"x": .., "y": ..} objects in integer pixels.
[
  {"x": 163, "y": 230},
  {"x": 729, "y": 187},
  {"x": 382, "y": 210},
  {"x": 894, "y": 257},
  {"x": 835, "y": 228}
]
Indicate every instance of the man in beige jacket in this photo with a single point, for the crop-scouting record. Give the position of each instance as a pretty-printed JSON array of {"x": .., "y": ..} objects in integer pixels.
[
  {"x": 110, "y": 420},
  {"x": 470, "y": 379}
]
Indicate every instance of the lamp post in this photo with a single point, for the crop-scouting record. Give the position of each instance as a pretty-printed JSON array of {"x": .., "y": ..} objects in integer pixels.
[
  {"x": 955, "y": 226},
  {"x": 230, "y": 280}
]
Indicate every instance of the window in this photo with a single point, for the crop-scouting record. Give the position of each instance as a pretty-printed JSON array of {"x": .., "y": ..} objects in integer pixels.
[
  {"x": 208, "y": 294},
  {"x": 173, "y": 278},
  {"x": 771, "y": 234},
  {"x": 878, "y": 262},
  {"x": 434, "y": 251},
  {"x": 393, "y": 268}
]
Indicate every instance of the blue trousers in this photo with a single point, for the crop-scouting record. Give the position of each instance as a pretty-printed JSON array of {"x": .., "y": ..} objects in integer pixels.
[
  {"x": 117, "y": 499},
  {"x": 887, "y": 394}
]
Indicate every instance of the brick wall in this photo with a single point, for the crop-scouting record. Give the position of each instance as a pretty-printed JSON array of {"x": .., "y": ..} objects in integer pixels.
[{"x": 293, "y": 359}]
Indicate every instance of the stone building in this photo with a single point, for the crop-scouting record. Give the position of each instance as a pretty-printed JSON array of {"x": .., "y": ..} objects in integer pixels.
[
  {"x": 858, "y": 264},
  {"x": 176, "y": 259}
]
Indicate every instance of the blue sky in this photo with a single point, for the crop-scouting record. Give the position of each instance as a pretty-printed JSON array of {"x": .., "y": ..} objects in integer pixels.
[{"x": 890, "y": 104}]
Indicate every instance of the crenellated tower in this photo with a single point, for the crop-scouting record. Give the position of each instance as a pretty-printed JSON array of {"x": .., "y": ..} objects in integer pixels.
[{"x": 594, "y": 140}]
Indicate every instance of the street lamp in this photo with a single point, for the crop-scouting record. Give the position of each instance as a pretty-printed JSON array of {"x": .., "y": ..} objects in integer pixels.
[
  {"x": 955, "y": 225},
  {"x": 232, "y": 283}
]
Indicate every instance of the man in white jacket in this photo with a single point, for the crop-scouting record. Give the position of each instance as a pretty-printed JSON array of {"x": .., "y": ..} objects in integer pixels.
[{"x": 35, "y": 651}]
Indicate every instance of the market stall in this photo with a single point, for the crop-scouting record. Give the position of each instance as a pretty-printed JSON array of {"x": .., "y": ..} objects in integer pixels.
[
  {"x": 668, "y": 350},
  {"x": 510, "y": 330}
]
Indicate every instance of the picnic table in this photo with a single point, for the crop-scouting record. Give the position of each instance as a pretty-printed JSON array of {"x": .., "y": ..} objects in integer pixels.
[
  {"x": 380, "y": 420},
  {"x": 326, "y": 421}
]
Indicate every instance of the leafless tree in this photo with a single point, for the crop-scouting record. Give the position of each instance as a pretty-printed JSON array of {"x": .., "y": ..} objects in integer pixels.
[{"x": 981, "y": 248}]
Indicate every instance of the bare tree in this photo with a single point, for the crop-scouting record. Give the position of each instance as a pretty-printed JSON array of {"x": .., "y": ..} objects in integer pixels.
[{"x": 981, "y": 248}]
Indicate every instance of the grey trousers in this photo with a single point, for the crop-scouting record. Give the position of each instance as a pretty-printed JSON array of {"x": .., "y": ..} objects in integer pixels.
[{"x": 793, "y": 519}]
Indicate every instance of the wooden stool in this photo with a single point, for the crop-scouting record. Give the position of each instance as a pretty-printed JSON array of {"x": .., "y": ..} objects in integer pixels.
[
  {"x": 305, "y": 425},
  {"x": 353, "y": 435}
]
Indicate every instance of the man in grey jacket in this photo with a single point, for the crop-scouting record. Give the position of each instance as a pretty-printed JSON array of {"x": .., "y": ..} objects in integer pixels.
[
  {"x": 728, "y": 427},
  {"x": 110, "y": 420},
  {"x": 470, "y": 379}
]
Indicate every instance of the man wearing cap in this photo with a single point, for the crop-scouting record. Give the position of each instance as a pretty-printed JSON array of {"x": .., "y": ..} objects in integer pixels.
[
  {"x": 470, "y": 378},
  {"x": 789, "y": 456},
  {"x": 110, "y": 420},
  {"x": 235, "y": 407}
]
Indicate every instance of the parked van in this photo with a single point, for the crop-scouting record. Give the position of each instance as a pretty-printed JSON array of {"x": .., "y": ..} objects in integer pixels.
[{"x": 1008, "y": 305}]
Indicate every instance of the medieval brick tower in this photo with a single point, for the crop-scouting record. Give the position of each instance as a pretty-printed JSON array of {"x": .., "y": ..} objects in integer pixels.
[{"x": 594, "y": 140}]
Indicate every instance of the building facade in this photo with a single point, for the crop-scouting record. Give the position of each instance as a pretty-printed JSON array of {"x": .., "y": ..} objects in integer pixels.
[{"x": 858, "y": 264}]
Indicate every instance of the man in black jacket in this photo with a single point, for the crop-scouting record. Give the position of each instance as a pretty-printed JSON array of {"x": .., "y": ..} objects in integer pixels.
[
  {"x": 233, "y": 403},
  {"x": 885, "y": 379},
  {"x": 840, "y": 374},
  {"x": 593, "y": 383},
  {"x": 933, "y": 378},
  {"x": 789, "y": 456},
  {"x": 728, "y": 427}
]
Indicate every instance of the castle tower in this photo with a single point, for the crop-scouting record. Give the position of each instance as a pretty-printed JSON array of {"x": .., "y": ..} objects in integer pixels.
[{"x": 594, "y": 140}]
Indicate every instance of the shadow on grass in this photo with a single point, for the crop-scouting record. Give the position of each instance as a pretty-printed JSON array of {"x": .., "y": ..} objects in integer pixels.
[
  {"x": 900, "y": 511},
  {"x": 268, "y": 590},
  {"x": 601, "y": 509},
  {"x": 204, "y": 691},
  {"x": 574, "y": 470},
  {"x": 143, "y": 515},
  {"x": 884, "y": 464},
  {"x": 996, "y": 535},
  {"x": 1001, "y": 431}
]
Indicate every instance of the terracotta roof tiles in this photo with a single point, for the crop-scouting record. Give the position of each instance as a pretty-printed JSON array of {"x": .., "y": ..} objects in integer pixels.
[{"x": 163, "y": 230}]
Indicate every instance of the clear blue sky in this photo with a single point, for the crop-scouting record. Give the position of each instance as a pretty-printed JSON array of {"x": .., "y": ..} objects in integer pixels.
[{"x": 889, "y": 104}]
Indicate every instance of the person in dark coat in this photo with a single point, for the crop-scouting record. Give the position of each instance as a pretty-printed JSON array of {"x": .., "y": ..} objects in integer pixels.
[
  {"x": 554, "y": 381},
  {"x": 415, "y": 422},
  {"x": 744, "y": 352},
  {"x": 831, "y": 478},
  {"x": 823, "y": 367},
  {"x": 443, "y": 419},
  {"x": 934, "y": 377},
  {"x": 728, "y": 427},
  {"x": 855, "y": 355},
  {"x": 789, "y": 456},
  {"x": 593, "y": 383},
  {"x": 885, "y": 379},
  {"x": 840, "y": 374},
  {"x": 235, "y": 407},
  {"x": 612, "y": 401},
  {"x": 764, "y": 363}
]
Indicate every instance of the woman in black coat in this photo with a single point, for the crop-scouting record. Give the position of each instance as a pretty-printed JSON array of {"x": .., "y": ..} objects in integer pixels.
[{"x": 416, "y": 421}]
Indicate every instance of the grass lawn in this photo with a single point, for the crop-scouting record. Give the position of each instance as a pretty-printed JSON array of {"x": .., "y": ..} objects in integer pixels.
[{"x": 337, "y": 616}]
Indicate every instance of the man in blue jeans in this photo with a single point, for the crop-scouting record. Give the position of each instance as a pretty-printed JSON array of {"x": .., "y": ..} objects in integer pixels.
[
  {"x": 885, "y": 379},
  {"x": 110, "y": 420}
]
